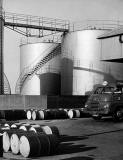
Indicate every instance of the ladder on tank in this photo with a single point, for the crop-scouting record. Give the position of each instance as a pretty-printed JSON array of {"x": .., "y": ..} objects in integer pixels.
[{"x": 32, "y": 69}]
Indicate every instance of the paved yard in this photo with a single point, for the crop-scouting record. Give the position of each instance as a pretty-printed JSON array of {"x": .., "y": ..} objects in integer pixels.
[{"x": 85, "y": 139}]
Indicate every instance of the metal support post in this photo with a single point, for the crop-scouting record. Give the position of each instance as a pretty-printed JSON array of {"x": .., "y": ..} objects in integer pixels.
[{"x": 1, "y": 49}]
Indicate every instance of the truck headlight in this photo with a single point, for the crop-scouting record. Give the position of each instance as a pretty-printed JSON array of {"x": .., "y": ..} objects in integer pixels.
[
  {"x": 106, "y": 106},
  {"x": 86, "y": 106}
]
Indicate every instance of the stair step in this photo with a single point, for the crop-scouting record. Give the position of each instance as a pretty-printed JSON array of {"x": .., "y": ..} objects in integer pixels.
[{"x": 35, "y": 68}]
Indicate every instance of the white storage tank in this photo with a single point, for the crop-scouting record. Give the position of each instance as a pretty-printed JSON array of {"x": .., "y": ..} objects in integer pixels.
[
  {"x": 50, "y": 78},
  {"x": 30, "y": 55},
  {"x": 81, "y": 67}
]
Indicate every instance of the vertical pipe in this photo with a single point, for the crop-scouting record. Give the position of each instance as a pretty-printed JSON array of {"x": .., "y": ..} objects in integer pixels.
[{"x": 1, "y": 48}]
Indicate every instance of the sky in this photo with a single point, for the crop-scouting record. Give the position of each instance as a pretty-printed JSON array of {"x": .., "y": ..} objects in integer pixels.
[{"x": 72, "y": 10}]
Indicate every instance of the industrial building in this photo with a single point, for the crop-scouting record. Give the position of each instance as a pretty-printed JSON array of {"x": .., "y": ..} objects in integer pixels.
[
  {"x": 72, "y": 68},
  {"x": 80, "y": 63},
  {"x": 67, "y": 70}
]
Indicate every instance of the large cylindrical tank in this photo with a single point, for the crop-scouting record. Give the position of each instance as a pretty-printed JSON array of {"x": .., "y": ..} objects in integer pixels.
[
  {"x": 81, "y": 65},
  {"x": 30, "y": 55},
  {"x": 50, "y": 84},
  {"x": 50, "y": 79}
]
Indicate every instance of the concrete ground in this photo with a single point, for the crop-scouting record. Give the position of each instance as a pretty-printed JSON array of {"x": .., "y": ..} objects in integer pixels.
[{"x": 84, "y": 139}]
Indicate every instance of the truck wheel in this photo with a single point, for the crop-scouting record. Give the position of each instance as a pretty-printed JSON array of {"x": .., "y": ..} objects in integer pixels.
[
  {"x": 96, "y": 117},
  {"x": 118, "y": 114}
]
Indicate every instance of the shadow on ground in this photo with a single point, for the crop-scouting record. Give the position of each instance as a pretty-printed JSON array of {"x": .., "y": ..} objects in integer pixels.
[
  {"x": 67, "y": 145},
  {"x": 109, "y": 120},
  {"x": 66, "y": 138},
  {"x": 78, "y": 158},
  {"x": 68, "y": 148}
]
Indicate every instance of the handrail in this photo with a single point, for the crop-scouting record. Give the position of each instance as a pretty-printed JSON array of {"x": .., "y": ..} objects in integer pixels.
[
  {"x": 95, "y": 24},
  {"x": 31, "y": 70},
  {"x": 46, "y": 39},
  {"x": 7, "y": 88},
  {"x": 64, "y": 24},
  {"x": 36, "y": 60},
  {"x": 35, "y": 20},
  {"x": 26, "y": 69}
]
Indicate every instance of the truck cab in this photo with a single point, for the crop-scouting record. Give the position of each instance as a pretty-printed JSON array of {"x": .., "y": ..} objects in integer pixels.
[{"x": 106, "y": 100}]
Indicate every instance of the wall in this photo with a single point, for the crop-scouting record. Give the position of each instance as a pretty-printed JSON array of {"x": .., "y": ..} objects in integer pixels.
[
  {"x": 66, "y": 101},
  {"x": 41, "y": 102},
  {"x": 111, "y": 48},
  {"x": 22, "y": 102}
]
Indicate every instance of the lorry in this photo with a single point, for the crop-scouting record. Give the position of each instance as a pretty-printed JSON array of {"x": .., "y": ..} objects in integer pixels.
[{"x": 106, "y": 100}]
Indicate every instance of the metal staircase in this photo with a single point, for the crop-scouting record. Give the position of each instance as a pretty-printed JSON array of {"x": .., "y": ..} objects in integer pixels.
[
  {"x": 7, "y": 89},
  {"x": 29, "y": 71}
]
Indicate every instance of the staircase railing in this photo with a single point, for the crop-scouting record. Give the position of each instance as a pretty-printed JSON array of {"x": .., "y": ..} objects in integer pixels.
[
  {"x": 33, "y": 68},
  {"x": 7, "y": 89}
]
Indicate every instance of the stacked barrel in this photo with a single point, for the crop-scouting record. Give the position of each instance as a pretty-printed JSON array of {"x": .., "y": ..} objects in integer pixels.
[
  {"x": 47, "y": 114},
  {"x": 42, "y": 114},
  {"x": 30, "y": 140},
  {"x": 77, "y": 113},
  {"x": 15, "y": 114}
]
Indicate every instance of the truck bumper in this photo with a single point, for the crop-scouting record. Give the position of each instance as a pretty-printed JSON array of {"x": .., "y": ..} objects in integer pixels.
[{"x": 98, "y": 112}]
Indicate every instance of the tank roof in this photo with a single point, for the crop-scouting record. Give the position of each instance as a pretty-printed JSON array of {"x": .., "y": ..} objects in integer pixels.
[
  {"x": 96, "y": 25},
  {"x": 113, "y": 33}
]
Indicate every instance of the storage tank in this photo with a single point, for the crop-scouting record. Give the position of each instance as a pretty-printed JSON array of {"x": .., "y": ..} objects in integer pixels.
[
  {"x": 81, "y": 67},
  {"x": 30, "y": 55},
  {"x": 49, "y": 74},
  {"x": 50, "y": 84}
]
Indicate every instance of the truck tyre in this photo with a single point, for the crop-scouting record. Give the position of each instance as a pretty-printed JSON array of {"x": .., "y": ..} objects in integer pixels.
[
  {"x": 118, "y": 114},
  {"x": 97, "y": 117}
]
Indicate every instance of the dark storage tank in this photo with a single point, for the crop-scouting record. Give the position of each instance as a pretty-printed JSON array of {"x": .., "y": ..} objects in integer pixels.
[{"x": 50, "y": 84}]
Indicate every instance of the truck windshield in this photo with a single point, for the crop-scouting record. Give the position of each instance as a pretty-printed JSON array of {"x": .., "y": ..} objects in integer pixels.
[{"x": 102, "y": 90}]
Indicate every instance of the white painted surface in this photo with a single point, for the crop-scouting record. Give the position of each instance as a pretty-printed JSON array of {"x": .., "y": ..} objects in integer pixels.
[{"x": 83, "y": 49}]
